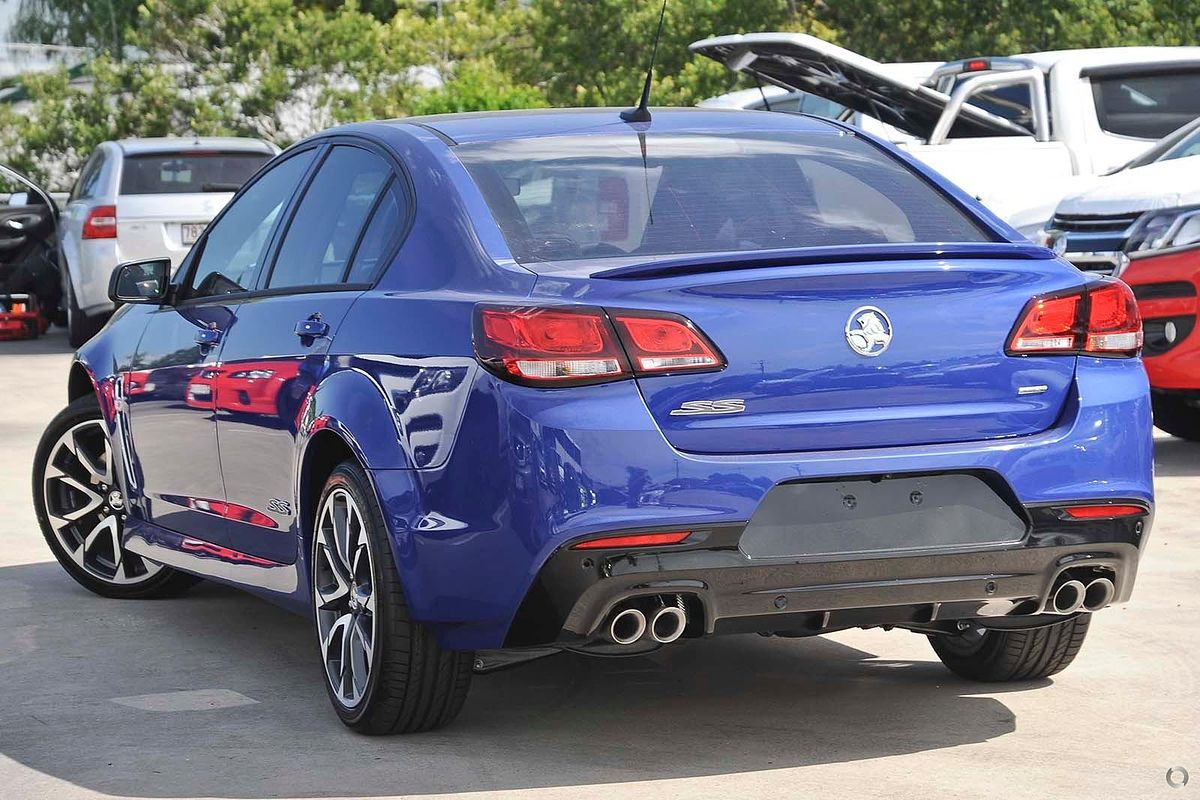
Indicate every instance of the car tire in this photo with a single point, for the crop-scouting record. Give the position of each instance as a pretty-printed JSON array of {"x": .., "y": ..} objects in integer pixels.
[
  {"x": 80, "y": 327},
  {"x": 410, "y": 684},
  {"x": 1173, "y": 414},
  {"x": 1017, "y": 655},
  {"x": 80, "y": 510}
]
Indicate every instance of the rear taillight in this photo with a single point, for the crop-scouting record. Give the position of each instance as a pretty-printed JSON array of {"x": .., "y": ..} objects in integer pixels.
[
  {"x": 1100, "y": 319},
  {"x": 664, "y": 343},
  {"x": 575, "y": 345},
  {"x": 101, "y": 223}
]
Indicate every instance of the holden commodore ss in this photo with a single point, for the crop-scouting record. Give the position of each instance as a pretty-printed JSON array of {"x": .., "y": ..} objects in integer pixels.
[{"x": 544, "y": 381}]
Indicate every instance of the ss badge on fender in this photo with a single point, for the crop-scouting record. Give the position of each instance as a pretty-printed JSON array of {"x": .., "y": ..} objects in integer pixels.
[{"x": 695, "y": 408}]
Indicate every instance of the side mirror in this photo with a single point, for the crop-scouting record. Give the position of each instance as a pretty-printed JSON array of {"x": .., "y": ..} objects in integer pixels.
[
  {"x": 140, "y": 281},
  {"x": 18, "y": 199}
]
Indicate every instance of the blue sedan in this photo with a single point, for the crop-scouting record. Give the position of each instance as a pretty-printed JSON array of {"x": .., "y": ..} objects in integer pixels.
[{"x": 470, "y": 389}]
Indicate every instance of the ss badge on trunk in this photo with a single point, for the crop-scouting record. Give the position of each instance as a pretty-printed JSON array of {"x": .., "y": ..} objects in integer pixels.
[{"x": 695, "y": 408}]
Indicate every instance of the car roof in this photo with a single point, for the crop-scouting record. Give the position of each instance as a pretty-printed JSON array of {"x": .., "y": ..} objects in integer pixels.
[
  {"x": 1112, "y": 56},
  {"x": 175, "y": 144},
  {"x": 489, "y": 126}
]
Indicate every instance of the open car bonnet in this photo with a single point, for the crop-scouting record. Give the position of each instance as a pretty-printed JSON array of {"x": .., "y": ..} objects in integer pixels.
[{"x": 805, "y": 63}]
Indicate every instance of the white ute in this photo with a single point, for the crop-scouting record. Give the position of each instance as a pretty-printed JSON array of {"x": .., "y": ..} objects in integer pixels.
[{"x": 1017, "y": 132}]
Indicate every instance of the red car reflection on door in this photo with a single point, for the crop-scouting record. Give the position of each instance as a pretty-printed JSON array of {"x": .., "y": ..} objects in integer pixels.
[{"x": 249, "y": 387}]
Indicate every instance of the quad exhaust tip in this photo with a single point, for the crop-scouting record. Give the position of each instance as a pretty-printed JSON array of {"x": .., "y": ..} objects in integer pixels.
[
  {"x": 668, "y": 624},
  {"x": 662, "y": 619},
  {"x": 1098, "y": 594},
  {"x": 1068, "y": 597},
  {"x": 627, "y": 626}
]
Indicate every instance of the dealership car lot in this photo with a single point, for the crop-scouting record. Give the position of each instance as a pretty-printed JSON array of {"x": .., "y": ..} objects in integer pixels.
[{"x": 215, "y": 694}]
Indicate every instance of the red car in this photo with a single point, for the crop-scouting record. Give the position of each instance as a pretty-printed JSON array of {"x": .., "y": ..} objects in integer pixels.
[
  {"x": 248, "y": 387},
  {"x": 1167, "y": 285}
]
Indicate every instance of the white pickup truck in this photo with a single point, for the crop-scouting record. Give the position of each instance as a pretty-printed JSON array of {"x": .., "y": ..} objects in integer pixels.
[{"x": 1017, "y": 132}]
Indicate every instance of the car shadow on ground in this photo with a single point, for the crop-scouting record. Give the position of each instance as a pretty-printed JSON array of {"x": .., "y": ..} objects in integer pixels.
[
  {"x": 1176, "y": 458},
  {"x": 709, "y": 707}
]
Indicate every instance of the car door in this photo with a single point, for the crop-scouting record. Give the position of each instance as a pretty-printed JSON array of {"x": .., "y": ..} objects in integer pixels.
[
  {"x": 171, "y": 387},
  {"x": 280, "y": 342}
]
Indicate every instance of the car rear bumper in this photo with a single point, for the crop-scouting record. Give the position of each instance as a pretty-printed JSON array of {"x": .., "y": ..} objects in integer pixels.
[
  {"x": 533, "y": 471},
  {"x": 725, "y": 591}
]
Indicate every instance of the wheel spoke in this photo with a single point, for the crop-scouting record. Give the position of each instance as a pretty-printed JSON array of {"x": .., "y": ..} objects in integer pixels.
[
  {"x": 329, "y": 596},
  {"x": 106, "y": 528},
  {"x": 102, "y": 473},
  {"x": 359, "y": 651},
  {"x": 94, "y": 500}
]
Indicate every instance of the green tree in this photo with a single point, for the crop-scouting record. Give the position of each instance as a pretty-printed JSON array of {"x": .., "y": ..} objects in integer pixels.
[{"x": 595, "y": 52}]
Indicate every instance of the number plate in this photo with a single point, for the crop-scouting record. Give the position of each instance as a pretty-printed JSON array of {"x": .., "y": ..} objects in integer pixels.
[{"x": 190, "y": 231}]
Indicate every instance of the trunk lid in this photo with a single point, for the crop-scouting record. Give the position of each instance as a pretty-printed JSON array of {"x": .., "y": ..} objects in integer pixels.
[
  {"x": 805, "y": 63},
  {"x": 795, "y": 383},
  {"x": 157, "y": 225}
]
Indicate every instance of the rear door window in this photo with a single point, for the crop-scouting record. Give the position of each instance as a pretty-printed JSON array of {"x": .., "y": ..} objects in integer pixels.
[
  {"x": 1146, "y": 106},
  {"x": 326, "y": 227},
  {"x": 381, "y": 236},
  {"x": 188, "y": 172}
]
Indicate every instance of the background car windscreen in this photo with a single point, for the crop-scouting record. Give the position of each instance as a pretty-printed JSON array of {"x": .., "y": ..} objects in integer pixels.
[
  {"x": 179, "y": 173},
  {"x": 597, "y": 196}
]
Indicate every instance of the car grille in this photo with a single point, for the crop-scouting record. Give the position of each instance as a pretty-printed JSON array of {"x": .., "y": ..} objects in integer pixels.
[
  {"x": 1094, "y": 241},
  {"x": 1093, "y": 223}
]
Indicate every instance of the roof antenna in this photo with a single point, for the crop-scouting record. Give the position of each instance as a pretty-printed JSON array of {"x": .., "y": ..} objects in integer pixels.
[
  {"x": 762, "y": 92},
  {"x": 642, "y": 112}
]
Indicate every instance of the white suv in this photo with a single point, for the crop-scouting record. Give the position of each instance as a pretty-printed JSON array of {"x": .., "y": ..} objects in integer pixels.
[{"x": 143, "y": 198}]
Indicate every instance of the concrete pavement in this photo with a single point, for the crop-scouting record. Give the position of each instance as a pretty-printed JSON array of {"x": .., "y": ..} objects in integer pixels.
[{"x": 218, "y": 694}]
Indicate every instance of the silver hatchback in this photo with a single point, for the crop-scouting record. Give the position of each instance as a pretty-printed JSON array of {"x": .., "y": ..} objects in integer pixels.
[{"x": 144, "y": 198}]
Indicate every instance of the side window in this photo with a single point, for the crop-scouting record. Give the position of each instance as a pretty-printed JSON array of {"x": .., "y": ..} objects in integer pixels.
[
  {"x": 234, "y": 246},
  {"x": 321, "y": 235},
  {"x": 89, "y": 177},
  {"x": 381, "y": 236}
]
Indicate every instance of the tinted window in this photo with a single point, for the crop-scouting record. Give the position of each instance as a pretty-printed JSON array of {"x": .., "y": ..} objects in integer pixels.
[
  {"x": 89, "y": 178},
  {"x": 574, "y": 197},
  {"x": 180, "y": 173},
  {"x": 234, "y": 246},
  {"x": 1146, "y": 106},
  {"x": 1013, "y": 103},
  {"x": 322, "y": 234},
  {"x": 381, "y": 235}
]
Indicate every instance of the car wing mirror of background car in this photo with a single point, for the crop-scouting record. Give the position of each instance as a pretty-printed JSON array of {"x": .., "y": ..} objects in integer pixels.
[{"x": 140, "y": 281}]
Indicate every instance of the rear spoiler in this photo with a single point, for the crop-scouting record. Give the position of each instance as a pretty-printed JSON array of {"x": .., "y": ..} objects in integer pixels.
[{"x": 800, "y": 256}]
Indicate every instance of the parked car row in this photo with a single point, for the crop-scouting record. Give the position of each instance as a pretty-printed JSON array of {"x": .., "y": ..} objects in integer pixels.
[{"x": 1017, "y": 132}]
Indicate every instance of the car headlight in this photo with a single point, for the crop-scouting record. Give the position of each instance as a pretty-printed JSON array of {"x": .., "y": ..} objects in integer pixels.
[
  {"x": 253, "y": 373},
  {"x": 1158, "y": 230}
]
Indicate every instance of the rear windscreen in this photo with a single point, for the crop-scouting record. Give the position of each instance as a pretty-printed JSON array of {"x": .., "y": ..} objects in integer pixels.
[
  {"x": 628, "y": 194},
  {"x": 1146, "y": 106},
  {"x": 178, "y": 173}
]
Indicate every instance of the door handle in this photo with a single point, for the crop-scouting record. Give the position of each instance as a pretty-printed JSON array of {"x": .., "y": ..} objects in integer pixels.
[
  {"x": 207, "y": 337},
  {"x": 312, "y": 328}
]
